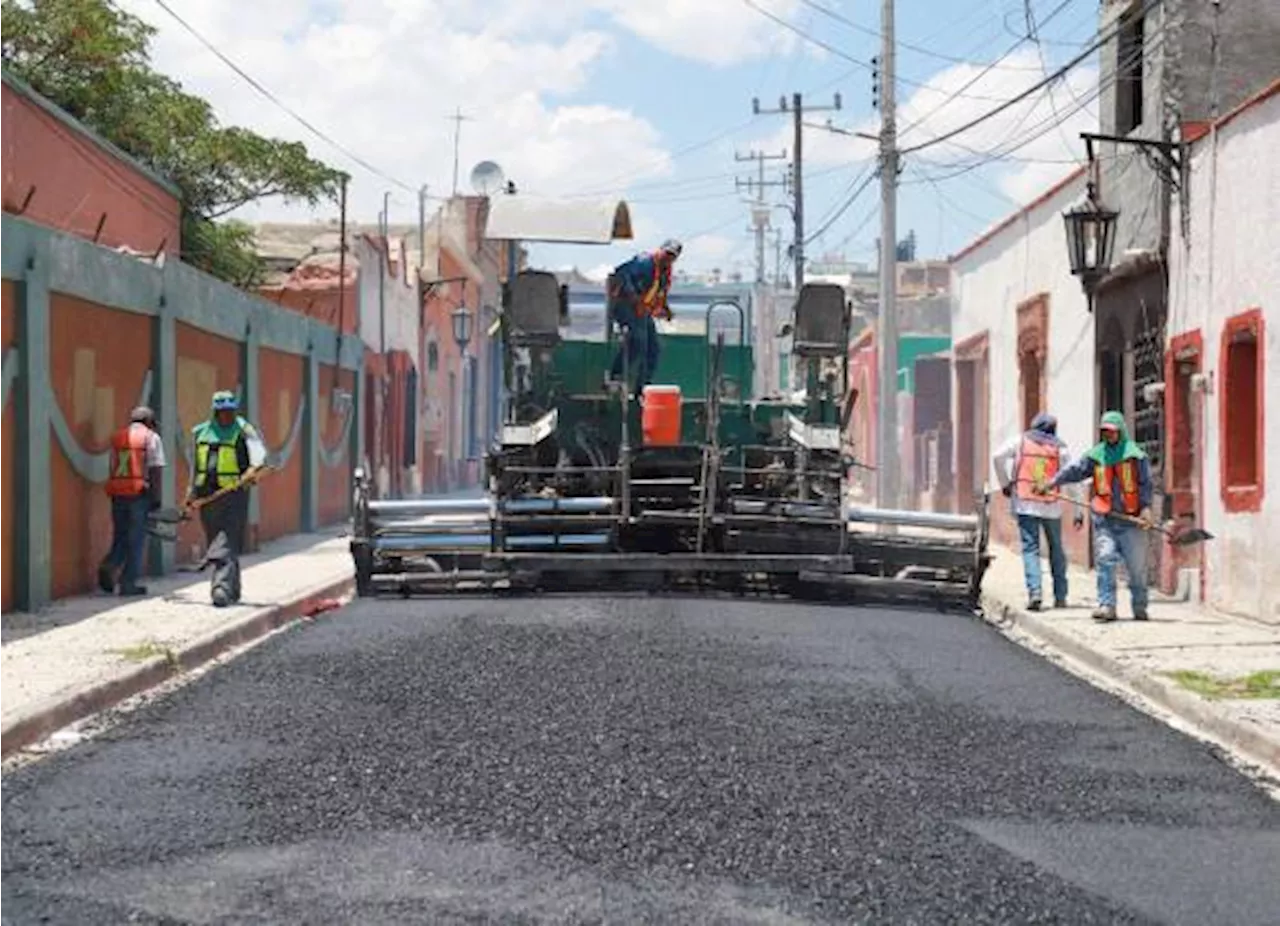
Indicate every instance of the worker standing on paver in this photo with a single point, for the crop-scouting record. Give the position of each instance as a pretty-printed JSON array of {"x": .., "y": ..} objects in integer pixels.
[
  {"x": 229, "y": 456},
  {"x": 133, "y": 483},
  {"x": 637, "y": 294},
  {"x": 1122, "y": 486},
  {"x": 1022, "y": 465}
]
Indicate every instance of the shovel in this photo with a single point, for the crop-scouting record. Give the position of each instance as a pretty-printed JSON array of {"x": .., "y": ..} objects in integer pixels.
[
  {"x": 1183, "y": 538},
  {"x": 176, "y": 515}
]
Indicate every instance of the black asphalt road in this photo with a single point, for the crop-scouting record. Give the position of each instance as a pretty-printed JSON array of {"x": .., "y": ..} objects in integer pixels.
[{"x": 638, "y": 761}]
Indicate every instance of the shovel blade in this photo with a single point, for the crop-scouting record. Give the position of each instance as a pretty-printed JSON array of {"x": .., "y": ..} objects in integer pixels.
[
  {"x": 1190, "y": 536},
  {"x": 167, "y": 515}
]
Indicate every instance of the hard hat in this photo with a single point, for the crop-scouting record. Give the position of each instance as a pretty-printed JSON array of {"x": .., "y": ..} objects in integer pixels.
[
  {"x": 224, "y": 400},
  {"x": 672, "y": 247}
]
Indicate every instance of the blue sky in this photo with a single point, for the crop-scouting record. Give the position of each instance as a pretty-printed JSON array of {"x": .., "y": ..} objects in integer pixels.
[{"x": 651, "y": 102}]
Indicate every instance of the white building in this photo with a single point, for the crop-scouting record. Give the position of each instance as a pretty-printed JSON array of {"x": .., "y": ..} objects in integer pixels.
[
  {"x": 390, "y": 319},
  {"x": 1220, "y": 369},
  {"x": 1022, "y": 341}
]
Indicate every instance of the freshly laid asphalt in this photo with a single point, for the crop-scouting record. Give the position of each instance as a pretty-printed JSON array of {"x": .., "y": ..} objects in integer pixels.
[{"x": 637, "y": 760}]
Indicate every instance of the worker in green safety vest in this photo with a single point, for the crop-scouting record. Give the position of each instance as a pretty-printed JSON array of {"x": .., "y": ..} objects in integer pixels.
[{"x": 229, "y": 454}]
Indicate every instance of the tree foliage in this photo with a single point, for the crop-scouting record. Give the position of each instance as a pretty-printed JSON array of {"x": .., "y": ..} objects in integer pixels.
[{"x": 93, "y": 60}]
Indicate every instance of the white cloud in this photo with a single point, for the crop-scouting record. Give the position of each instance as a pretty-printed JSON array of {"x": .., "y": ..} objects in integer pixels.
[
  {"x": 717, "y": 32},
  {"x": 383, "y": 76},
  {"x": 931, "y": 111},
  {"x": 709, "y": 250}
]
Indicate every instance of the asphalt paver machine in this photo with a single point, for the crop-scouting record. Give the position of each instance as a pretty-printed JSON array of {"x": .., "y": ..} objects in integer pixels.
[{"x": 700, "y": 487}]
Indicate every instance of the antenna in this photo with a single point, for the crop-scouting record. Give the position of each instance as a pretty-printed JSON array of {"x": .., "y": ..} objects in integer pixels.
[{"x": 487, "y": 178}]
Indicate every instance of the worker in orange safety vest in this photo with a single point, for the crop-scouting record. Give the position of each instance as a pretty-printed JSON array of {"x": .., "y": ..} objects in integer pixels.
[
  {"x": 637, "y": 295},
  {"x": 1119, "y": 474},
  {"x": 1023, "y": 466},
  {"x": 135, "y": 462}
]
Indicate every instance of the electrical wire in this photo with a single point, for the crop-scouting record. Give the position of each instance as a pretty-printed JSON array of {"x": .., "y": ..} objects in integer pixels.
[
  {"x": 852, "y": 198},
  {"x": 919, "y": 49},
  {"x": 284, "y": 107},
  {"x": 1040, "y": 85},
  {"x": 1044, "y": 126},
  {"x": 865, "y": 65},
  {"x": 959, "y": 92}
]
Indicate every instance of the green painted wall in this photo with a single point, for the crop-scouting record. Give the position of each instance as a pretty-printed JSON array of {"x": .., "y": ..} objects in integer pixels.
[
  {"x": 42, "y": 261},
  {"x": 684, "y": 359},
  {"x": 911, "y": 346}
]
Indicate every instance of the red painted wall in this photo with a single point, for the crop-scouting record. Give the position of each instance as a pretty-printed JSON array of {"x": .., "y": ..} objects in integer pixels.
[
  {"x": 98, "y": 357},
  {"x": 206, "y": 363},
  {"x": 8, "y": 471},
  {"x": 280, "y": 395},
  {"x": 76, "y": 180}
]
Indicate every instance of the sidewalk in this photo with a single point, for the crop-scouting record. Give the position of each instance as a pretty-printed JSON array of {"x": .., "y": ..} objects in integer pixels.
[
  {"x": 1180, "y": 637},
  {"x": 82, "y": 655}
]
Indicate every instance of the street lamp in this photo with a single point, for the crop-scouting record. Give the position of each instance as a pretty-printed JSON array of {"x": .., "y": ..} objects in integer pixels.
[
  {"x": 1091, "y": 241},
  {"x": 462, "y": 327}
]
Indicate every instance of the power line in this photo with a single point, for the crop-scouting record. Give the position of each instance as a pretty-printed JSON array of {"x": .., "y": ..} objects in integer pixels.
[
  {"x": 875, "y": 33},
  {"x": 1040, "y": 85},
  {"x": 272, "y": 97},
  {"x": 866, "y": 65},
  {"x": 866, "y": 182},
  {"x": 1046, "y": 125},
  {"x": 983, "y": 72}
]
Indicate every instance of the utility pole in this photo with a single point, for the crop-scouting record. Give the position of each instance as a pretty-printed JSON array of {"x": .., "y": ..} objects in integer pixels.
[
  {"x": 457, "y": 119},
  {"x": 766, "y": 331},
  {"x": 797, "y": 111},
  {"x": 887, "y": 463},
  {"x": 422, "y": 226},
  {"x": 759, "y": 212}
]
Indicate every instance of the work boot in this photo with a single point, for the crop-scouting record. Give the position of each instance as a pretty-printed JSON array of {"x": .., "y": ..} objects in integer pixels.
[
  {"x": 132, "y": 591},
  {"x": 1060, "y": 603},
  {"x": 220, "y": 598},
  {"x": 1104, "y": 614},
  {"x": 1034, "y": 605},
  {"x": 106, "y": 578},
  {"x": 1140, "y": 614}
]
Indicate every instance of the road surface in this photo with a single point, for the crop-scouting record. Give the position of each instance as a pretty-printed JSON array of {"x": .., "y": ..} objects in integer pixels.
[{"x": 638, "y": 760}]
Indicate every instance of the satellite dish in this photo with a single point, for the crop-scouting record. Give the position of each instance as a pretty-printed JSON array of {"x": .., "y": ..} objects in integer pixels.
[{"x": 487, "y": 178}]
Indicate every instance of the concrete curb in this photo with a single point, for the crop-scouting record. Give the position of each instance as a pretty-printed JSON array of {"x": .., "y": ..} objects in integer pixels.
[
  {"x": 52, "y": 716},
  {"x": 1187, "y": 707}
]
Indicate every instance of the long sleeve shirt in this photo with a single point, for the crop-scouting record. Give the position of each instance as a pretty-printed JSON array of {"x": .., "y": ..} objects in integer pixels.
[
  {"x": 1082, "y": 469},
  {"x": 1005, "y": 462}
]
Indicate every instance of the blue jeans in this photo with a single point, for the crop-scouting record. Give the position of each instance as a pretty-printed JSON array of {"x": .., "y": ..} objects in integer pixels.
[
  {"x": 639, "y": 343},
  {"x": 1112, "y": 541},
  {"x": 1029, "y": 528},
  {"x": 128, "y": 537}
]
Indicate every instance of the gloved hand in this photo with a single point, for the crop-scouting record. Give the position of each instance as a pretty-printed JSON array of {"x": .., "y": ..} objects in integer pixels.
[
  {"x": 1146, "y": 518},
  {"x": 1078, "y": 521},
  {"x": 1007, "y": 491}
]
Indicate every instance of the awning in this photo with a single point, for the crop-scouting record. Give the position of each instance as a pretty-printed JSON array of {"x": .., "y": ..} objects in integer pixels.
[{"x": 567, "y": 221}]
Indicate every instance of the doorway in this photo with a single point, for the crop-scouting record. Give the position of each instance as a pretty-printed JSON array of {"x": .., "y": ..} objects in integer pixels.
[
  {"x": 1184, "y": 413},
  {"x": 971, "y": 435}
]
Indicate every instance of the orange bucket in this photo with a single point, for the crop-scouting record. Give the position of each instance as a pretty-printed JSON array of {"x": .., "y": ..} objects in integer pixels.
[{"x": 660, "y": 417}]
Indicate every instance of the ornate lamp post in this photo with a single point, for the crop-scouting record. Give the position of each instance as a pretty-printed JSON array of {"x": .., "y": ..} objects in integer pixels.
[
  {"x": 1091, "y": 241},
  {"x": 462, "y": 323}
]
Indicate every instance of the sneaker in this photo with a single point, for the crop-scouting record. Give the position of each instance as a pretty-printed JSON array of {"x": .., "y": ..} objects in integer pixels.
[
  {"x": 1034, "y": 604},
  {"x": 1104, "y": 614},
  {"x": 1140, "y": 614}
]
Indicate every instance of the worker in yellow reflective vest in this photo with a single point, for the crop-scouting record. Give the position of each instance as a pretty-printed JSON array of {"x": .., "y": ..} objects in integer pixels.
[{"x": 229, "y": 454}]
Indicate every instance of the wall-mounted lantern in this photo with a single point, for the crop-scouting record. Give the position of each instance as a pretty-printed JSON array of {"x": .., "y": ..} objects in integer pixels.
[{"x": 1091, "y": 241}]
